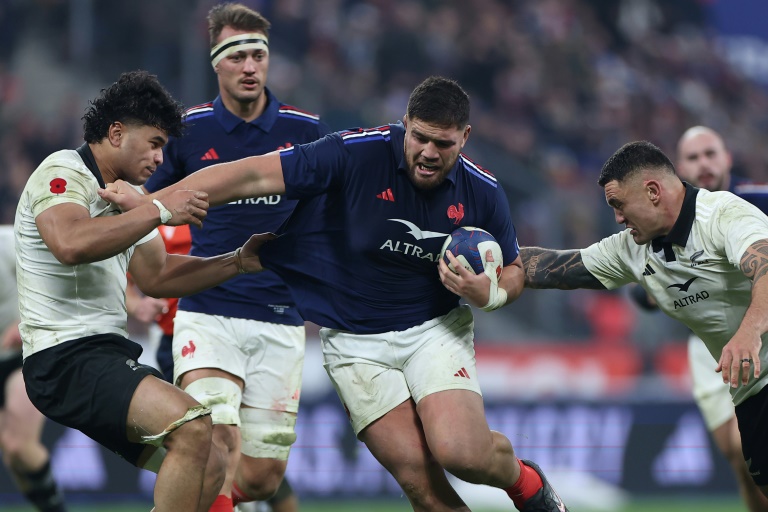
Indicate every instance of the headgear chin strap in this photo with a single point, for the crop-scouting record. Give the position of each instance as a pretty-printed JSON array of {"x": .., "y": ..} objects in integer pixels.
[{"x": 238, "y": 43}]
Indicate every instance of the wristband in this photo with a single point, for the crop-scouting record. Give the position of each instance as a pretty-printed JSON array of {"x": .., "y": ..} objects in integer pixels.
[
  {"x": 239, "y": 262},
  {"x": 496, "y": 299},
  {"x": 165, "y": 214}
]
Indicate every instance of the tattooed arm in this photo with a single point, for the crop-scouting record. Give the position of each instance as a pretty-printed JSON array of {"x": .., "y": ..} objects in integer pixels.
[
  {"x": 548, "y": 268},
  {"x": 746, "y": 342}
]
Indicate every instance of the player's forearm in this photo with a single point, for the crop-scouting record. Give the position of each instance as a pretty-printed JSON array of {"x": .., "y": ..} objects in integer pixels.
[
  {"x": 254, "y": 176},
  {"x": 548, "y": 268},
  {"x": 512, "y": 281},
  {"x": 89, "y": 239},
  {"x": 186, "y": 275},
  {"x": 754, "y": 264}
]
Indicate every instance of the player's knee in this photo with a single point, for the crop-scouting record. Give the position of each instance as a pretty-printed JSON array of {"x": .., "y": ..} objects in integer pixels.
[
  {"x": 223, "y": 397},
  {"x": 194, "y": 436}
]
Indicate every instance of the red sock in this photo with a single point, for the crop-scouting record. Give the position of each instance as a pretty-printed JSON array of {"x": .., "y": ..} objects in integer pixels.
[
  {"x": 223, "y": 503},
  {"x": 526, "y": 486},
  {"x": 238, "y": 496}
]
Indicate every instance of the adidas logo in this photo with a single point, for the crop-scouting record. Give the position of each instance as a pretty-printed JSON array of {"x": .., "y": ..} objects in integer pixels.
[
  {"x": 461, "y": 373},
  {"x": 386, "y": 195},
  {"x": 211, "y": 154},
  {"x": 648, "y": 271}
]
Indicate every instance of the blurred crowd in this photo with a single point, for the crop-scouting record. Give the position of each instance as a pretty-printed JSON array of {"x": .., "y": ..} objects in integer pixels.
[{"x": 556, "y": 87}]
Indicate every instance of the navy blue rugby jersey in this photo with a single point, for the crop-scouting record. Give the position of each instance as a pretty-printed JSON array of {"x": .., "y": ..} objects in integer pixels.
[
  {"x": 213, "y": 135},
  {"x": 360, "y": 251}
]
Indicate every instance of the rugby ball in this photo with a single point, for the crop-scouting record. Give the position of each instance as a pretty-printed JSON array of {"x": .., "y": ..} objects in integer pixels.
[{"x": 470, "y": 246}]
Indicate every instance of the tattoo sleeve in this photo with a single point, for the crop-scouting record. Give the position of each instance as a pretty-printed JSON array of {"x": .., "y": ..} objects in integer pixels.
[
  {"x": 547, "y": 268},
  {"x": 754, "y": 263}
]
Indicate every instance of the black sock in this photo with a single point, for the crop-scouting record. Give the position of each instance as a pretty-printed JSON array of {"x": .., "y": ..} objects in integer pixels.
[{"x": 41, "y": 490}]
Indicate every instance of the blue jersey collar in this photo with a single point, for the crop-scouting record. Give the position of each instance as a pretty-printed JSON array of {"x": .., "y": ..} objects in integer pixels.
[
  {"x": 264, "y": 122},
  {"x": 397, "y": 131}
]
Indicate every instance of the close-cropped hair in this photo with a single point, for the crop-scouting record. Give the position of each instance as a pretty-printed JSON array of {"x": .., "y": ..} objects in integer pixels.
[
  {"x": 439, "y": 101},
  {"x": 136, "y": 98},
  {"x": 632, "y": 158},
  {"x": 237, "y": 16}
]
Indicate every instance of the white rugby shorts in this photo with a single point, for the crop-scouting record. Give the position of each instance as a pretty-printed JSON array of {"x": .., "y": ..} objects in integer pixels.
[
  {"x": 268, "y": 357},
  {"x": 712, "y": 395},
  {"x": 375, "y": 373}
]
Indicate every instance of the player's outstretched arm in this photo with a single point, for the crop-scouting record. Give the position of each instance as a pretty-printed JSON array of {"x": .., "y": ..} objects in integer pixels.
[
  {"x": 255, "y": 176},
  {"x": 74, "y": 237},
  {"x": 159, "y": 274},
  {"x": 742, "y": 352},
  {"x": 185, "y": 206},
  {"x": 548, "y": 268}
]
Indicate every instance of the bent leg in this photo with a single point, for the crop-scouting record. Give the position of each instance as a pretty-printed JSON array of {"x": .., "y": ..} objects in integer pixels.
[
  {"x": 221, "y": 391},
  {"x": 156, "y": 405},
  {"x": 398, "y": 443},
  {"x": 459, "y": 437},
  {"x": 267, "y": 437}
]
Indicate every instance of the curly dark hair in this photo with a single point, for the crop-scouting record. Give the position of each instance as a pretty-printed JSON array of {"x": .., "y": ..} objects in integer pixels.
[{"x": 136, "y": 98}]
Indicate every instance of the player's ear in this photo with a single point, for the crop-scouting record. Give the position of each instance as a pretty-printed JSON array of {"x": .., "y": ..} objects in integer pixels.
[
  {"x": 653, "y": 189},
  {"x": 115, "y": 133}
]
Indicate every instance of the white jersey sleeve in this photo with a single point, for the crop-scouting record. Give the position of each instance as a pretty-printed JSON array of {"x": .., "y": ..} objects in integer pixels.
[
  {"x": 612, "y": 260},
  {"x": 737, "y": 225}
]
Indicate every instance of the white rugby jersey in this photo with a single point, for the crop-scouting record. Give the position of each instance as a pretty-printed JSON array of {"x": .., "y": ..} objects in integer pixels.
[
  {"x": 693, "y": 273},
  {"x": 58, "y": 302},
  {"x": 9, "y": 308}
]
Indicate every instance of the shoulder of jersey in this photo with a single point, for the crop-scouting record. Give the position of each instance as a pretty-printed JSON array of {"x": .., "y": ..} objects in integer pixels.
[
  {"x": 358, "y": 135},
  {"x": 198, "y": 111},
  {"x": 478, "y": 172},
  {"x": 291, "y": 112}
]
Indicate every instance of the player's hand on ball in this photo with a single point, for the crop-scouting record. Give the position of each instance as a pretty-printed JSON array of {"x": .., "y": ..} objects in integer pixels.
[
  {"x": 475, "y": 288},
  {"x": 249, "y": 254}
]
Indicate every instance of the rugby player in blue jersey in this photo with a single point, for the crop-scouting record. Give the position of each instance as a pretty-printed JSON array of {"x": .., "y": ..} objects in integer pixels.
[
  {"x": 704, "y": 161},
  {"x": 239, "y": 347},
  {"x": 361, "y": 255}
]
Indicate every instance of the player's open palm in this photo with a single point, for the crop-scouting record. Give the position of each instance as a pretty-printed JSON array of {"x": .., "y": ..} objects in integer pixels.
[
  {"x": 474, "y": 288},
  {"x": 740, "y": 355}
]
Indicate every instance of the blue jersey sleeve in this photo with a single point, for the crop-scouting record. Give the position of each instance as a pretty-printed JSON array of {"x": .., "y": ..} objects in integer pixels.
[
  {"x": 313, "y": 169},
  {"x": 169, "y": 172},
  {"x": 499, "y": 224}
]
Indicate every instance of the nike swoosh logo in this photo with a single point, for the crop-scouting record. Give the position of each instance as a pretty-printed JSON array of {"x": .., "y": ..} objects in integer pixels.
[
  {"x": 683, "y": 287},
  {"x": 417, "y": 233}
]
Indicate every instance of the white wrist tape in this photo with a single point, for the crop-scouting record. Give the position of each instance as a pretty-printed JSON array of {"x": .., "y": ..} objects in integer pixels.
[{"x": 496, "y": 299}]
